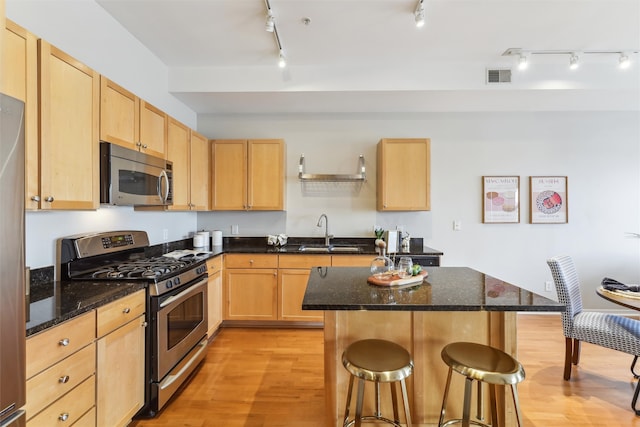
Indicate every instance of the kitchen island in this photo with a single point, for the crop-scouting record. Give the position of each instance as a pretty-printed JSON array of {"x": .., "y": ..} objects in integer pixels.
[{"x": 452, "y": 304}]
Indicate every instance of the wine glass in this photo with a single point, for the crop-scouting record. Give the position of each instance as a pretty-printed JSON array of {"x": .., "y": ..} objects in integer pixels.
[{"x": 404, "y": 267}]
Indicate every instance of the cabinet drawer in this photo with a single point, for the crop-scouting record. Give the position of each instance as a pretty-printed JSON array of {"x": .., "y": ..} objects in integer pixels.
[
  {"x": 59, "y": 379},
  {"x": 69, "y": 408},
  {"x": 52, "y": 345},
  {"x": 304, "y": 261},
  {"x": 351, "y": 260},
  {"x": 250, "y": 261},
  {"x": 119, "y": 312},
  {"x": 214, "y": 264}
]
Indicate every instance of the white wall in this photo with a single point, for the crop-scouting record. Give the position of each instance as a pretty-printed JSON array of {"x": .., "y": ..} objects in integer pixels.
[
  {"x": 598, "y": 151},
  {"x": 43, "y": 228}
]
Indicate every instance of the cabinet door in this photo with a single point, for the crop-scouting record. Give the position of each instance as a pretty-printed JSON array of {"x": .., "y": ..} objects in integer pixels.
[
  {"x": 228, "y": 175},
  {"x": 251, "y": 294},
  {"x": 19, "y": 79},
  {"x": 266, "y": 166},
  {"x": 178, "y": 136},
  {"x": 214, "y": 302},
  {"x": 69, "y": 117},
  {"x": 119, "y": 115},
  {"x": 292, "y": 284},
  {"x": 404, "y": 175},
  {"x": 120, "y": 374},
  {"x": 153, "y": 130},
  {"x": 199, "y": 172}
]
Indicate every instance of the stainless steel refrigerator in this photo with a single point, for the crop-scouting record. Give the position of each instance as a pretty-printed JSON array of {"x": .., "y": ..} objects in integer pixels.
[{"x": 12, "y": 272}]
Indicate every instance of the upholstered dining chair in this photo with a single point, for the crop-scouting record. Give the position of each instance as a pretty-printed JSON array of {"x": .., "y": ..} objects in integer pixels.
[{"x": 606, "y": 330}]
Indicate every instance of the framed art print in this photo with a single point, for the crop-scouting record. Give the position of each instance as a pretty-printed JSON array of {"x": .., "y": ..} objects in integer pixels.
[
  {"x": 500, "y": 199},
  {"x": 548, "y": 204}
]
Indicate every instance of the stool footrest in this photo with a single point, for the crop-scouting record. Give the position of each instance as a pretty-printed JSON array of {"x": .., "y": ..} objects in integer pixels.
[
  {"x": 374, "y": 418},
  {"x": 460, "y": 421}
]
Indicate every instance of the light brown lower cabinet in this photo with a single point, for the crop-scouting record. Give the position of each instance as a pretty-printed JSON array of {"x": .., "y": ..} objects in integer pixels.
[
  {"x": 214, "y": 294},
  {"x": 74, "y": 379},
  {"x": 120, "y": 361},
  {"x": 269, "y": 287}
]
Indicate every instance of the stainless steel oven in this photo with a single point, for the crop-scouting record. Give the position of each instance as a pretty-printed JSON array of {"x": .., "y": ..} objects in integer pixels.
[{"x": 179, "y": 322}]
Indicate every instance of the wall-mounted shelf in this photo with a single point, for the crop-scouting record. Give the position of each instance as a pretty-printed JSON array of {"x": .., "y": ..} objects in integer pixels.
[{"x": 360, "y": 176}]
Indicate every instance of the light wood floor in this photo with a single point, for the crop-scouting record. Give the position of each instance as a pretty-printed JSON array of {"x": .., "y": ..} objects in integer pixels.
[{"x": 274, "y": 378}]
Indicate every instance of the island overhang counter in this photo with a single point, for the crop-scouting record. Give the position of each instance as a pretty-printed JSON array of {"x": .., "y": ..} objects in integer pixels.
[{"x": 451, "y": 304}]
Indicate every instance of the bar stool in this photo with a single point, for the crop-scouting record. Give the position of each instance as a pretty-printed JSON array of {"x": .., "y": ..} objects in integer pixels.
[
  {"x": 483, "y": 364},
  {"x": 379, "y": 361}
]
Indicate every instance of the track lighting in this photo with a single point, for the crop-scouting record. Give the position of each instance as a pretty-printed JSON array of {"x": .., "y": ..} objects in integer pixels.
[
  {"x": 282, "y": 60},
  {"x": 574, "y": 61},
  {"x": 624, "y": 61},
  {"x": 524, "y": 55},
  {"x": 271, "y": 22},
  {"x": 419, "y": 14}
]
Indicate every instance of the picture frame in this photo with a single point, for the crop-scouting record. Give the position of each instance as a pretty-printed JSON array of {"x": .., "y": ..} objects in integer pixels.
[
  {"x": 500, "y": 199},
  {"x": 548, "y": 200}
]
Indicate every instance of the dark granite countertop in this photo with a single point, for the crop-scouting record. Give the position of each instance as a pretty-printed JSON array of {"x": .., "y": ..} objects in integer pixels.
[
  {"x": 444, "y": 289},
  {"x": 53, "y": 302},
  {"x": 365, "y": 245}
]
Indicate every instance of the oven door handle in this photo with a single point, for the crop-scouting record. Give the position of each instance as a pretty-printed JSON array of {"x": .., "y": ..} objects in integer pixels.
[{"x": 183, "y": 293}]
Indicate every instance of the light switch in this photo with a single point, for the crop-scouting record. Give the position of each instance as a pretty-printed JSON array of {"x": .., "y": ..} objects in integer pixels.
[
  {"x": 234, "y": 229},
  {"x": 457, "y": 225}
]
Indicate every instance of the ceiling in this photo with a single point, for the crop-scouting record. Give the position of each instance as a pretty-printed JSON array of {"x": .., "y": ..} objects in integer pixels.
[{"x": 368, "y": 55}]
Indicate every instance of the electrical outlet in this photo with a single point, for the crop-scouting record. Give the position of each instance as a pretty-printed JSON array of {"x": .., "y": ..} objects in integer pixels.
[
  {"x": 234, "y": 229},
  {"x": 548, "y": 286},
  {"x": 165, "y": 234}
]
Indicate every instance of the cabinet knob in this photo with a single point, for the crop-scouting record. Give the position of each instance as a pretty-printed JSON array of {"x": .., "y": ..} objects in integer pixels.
[
  {"x": 126, "y": 310},
  {"x": 48, "y": 199},
  {"x": 64, "y": 416},
  {"x": 144, "y": 145},
  {"x": 250, "y": 261},
  {"x": 63, "y": 379},
  {"x": 144, "y": 324},
  {"x": 35, "y": 198},
  {"x": 138, "y": 144},
  {"x": 64, "y": 342}
]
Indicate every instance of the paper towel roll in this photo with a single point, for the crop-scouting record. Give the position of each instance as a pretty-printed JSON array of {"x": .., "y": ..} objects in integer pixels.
[
  {"x": 217, "y": 238},
  {"x": 205, "y": 238},
  {"x": 198, "y": 241}
]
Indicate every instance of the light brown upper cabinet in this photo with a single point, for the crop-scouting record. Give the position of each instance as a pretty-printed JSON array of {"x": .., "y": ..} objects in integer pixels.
[
  {"x": 199, "y": 172},
  {"x": 19, "y": 79},
  {"x": 69, "y": 122},
  {"x": 131, "y": 122},
  {"x": 248, "y": 174},
  {"x": 188, "y": 152},
  {"x": 404, "y": 175}
]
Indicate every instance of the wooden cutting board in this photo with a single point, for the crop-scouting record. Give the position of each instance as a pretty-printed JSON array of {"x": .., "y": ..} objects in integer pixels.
[{"x": 395, "y": 280}]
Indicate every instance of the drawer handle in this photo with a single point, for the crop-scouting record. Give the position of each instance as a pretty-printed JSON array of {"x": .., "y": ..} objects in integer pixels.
[
  {"x": 64, "y": 342},
  {"x": 63, "y": 379},
  {"x": 127, "y": 310},
  {"x": 64, "y": 416}
]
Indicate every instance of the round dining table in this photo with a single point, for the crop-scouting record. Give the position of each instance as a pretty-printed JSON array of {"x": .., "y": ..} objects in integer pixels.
[{"x": 627, "y": 299}]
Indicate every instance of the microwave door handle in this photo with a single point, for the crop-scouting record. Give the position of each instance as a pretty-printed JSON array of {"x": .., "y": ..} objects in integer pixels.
[{"x": 163, "y": 177}]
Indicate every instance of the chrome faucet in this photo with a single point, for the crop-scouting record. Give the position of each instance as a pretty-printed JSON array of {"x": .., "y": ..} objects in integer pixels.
[{"x": 327, "y": 236}]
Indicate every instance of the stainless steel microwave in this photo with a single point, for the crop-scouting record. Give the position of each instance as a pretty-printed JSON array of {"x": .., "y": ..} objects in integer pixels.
[{"x": 132, "y": 178}]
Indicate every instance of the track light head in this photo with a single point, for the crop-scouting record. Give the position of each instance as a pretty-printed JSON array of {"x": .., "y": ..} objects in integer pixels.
[
  {"x": 282, "y": 60},
  {"x": 270, "y": 23},
  {"x": 624, "y": 61},
  {"x": 574, "y": 61},
  {"x": 419, "y": 14},
  {"x": 523, "y": 61}
]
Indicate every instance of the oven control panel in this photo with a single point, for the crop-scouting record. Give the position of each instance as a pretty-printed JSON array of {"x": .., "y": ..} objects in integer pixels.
[
  {"x": 117, "y": 241},
  {"x": 167, "y": 285}
]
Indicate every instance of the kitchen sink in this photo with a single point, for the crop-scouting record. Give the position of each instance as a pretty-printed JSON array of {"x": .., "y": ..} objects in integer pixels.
[{"x": 329, "y": 249}]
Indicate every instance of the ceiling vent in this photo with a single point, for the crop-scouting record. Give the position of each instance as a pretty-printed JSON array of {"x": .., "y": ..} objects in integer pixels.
[{"x": 499, "y": 75}]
